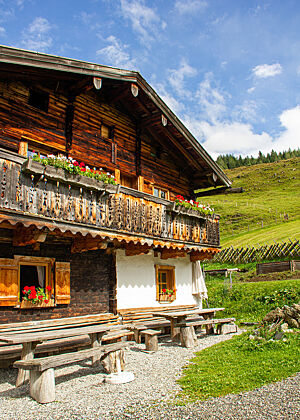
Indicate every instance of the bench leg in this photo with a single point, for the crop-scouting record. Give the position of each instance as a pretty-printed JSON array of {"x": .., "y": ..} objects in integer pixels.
[
  {"x": 96, "y": 342},
  {"x": 175, "y": 332},
  {"x": 187, "y": 337},
  {"x": 26, "y": 354},
  {"x": 151, "y": 342},
  {"x": 42, "y": 386}
]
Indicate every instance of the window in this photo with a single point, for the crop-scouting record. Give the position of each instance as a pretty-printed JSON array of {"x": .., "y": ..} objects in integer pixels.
[
  {"x": 158, "y": 192},
  {"x": 39, "y": 99},
  {"x": 165, "y": 283},
  {"x": 23, "y": 271},
  {"x": 105, "y": 131}
]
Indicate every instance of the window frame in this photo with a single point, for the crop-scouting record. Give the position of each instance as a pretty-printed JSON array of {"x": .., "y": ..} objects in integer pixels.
[
  {"x": 160, "y": 190},
  {"x": 46, "y": 262},
  {"x": 171, "y": 282}
]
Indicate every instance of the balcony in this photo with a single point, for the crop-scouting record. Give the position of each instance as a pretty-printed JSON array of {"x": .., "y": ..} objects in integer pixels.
[{"x": 77, "y": 203}]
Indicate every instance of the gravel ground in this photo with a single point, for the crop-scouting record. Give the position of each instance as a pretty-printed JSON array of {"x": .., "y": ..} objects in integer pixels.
[{"x": 81, "y": 393}]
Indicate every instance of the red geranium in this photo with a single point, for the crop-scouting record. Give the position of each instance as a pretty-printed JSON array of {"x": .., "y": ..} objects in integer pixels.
[
  {"x": 31, "y": 288},
  {"x": 82, "y": 165},
  {"x": 46, "y": 300},
  {"x": 75, "y": 163},
  {"x": 40, "y": 297},
  {"x": 26, "y": 288},
  {"x": 164, "y": 290},
  {"x": 48, "y": 288}
]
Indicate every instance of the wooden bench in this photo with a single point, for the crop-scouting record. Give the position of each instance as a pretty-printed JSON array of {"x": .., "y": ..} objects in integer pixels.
[
  {"x": 142, "y": 318},
  {"x": 42, "y": 379},
  {"x": 151, "y": 339},
  {"x": 10, "y": 353}
]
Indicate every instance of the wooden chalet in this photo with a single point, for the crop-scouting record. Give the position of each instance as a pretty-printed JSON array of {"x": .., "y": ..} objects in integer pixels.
[{"x": 99, "y": 248}]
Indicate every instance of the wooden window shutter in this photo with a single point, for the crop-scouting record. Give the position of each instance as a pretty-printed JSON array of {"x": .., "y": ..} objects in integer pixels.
[
  {"x": 9, "y": 282},
  {"x": 62, "y": 282}
]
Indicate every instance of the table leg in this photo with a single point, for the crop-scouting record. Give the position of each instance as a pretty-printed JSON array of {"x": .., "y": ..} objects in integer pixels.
[
  {"x": 26, "y": 354},
  {"x": 96, "y": 342},
  {"x": 175, "y": 331},
  {"x": 187, "y": 337}
]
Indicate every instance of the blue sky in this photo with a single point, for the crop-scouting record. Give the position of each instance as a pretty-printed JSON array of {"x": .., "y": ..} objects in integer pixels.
[{"x": 230, "y": 69}]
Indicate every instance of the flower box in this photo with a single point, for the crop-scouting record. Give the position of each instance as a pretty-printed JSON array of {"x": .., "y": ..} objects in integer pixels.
[
  {"x": 27, "y": 304},
  {"x": 166, "y": 298},
  {"x": 60, "y": 175},
  {"x": 177, "y": 210}
]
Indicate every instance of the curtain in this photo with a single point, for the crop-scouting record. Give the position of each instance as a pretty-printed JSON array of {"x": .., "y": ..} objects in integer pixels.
[{"x": 41, "y": 275}]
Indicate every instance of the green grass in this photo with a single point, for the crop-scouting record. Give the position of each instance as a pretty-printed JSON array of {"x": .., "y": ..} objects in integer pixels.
[
  {"x": 241, "y": 364},
  {"x": 257, "y": 215},
  {"x": 235, "y": 366},
  {"x": 279, "y": 233},
  {"x": 245, "y": 301}
]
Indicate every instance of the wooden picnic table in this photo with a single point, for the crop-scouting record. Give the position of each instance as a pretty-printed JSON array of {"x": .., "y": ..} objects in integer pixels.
[
  {"x": 30, "y": 340},
  {"x": 178, "y": 317}
]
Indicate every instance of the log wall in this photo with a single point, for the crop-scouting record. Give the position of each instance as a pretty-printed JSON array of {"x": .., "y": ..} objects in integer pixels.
[
  {"x": 19, "y": 119},
  {"x": 92, "y": 283}
]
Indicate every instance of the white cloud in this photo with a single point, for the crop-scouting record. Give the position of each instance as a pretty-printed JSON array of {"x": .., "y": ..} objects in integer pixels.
[
  {"x": 252, "y": 89},
  {"x": 267, "y": 70},
  {"x": 239, "y": 138},
  {"x": 169, "y": 99},
  {"x": 37, "y": 35},
  {"x": 115, "y": 54},
  {"x": 298, "y": 70},
  {"x": 189, "y": 6},
  {"x": 2, "y": 31},
  {"x": 177, "y": 77},
  {"x": 210, "y": 99},
  {"x": 290, "y": 137},
  {"x": 144, "y": 20},
  {"x": 247, "y": 111},
  {"x": 85, "y": 17}
]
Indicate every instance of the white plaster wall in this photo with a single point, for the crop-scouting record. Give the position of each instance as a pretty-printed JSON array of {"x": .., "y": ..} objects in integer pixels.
[{"x": 136, "y": 286}]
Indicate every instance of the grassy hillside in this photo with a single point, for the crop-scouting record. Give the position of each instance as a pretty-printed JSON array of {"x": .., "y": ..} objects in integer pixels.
[{"x": 268, "y": 210}]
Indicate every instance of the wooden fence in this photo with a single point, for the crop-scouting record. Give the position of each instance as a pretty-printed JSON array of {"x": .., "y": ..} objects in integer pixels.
[{"x": 290, "y": 249}]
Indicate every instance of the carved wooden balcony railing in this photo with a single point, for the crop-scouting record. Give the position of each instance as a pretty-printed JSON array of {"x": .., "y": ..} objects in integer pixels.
[{"x": 92, "y": 205}]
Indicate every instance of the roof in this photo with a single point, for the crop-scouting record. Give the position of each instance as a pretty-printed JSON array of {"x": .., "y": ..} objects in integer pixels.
[{"x": 186, "y": 143}]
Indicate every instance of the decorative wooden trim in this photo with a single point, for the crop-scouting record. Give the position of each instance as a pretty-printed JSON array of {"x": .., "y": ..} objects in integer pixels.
[
  {"x": 97, "y": 81},
  {"x": 172, "y": 253},
  {"x": 84, "y": 243},
  {"x": 134, "y": 90}
]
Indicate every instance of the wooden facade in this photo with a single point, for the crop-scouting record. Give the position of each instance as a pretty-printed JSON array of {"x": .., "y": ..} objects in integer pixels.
[{"x": 111, "y": 120}]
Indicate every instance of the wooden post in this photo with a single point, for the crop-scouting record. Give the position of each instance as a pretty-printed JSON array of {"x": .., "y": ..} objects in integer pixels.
[
  {"x": 42, "y": 386},
  {"x": 23, "y": 148},
  {"x": 26, "y": 354}
]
